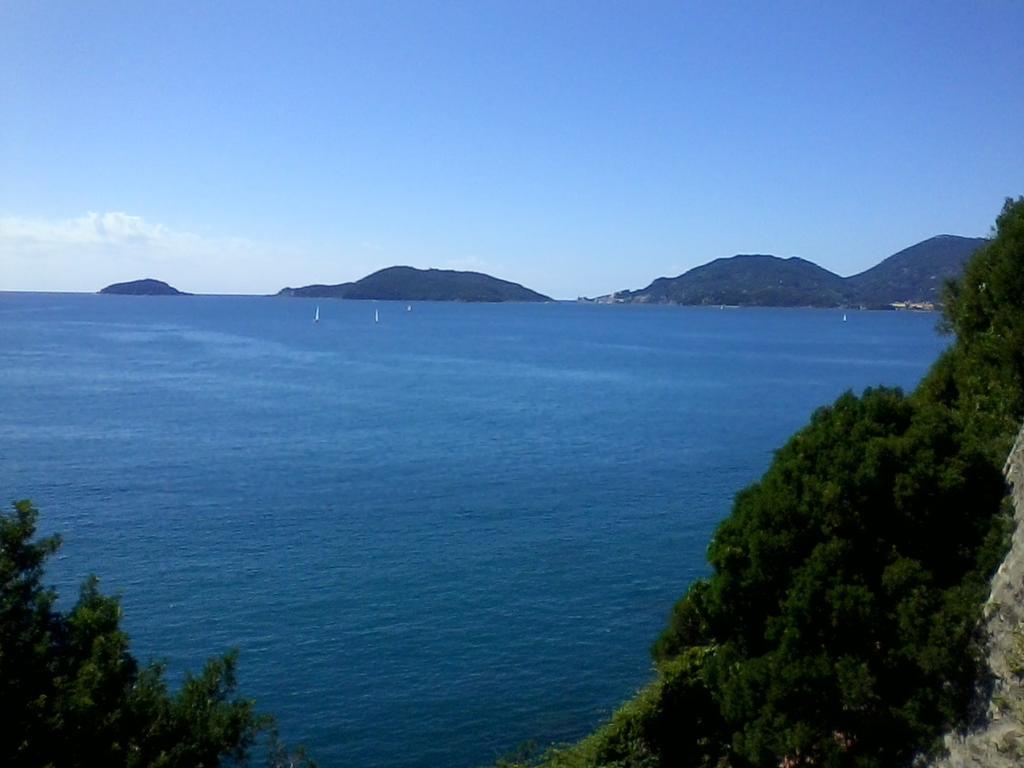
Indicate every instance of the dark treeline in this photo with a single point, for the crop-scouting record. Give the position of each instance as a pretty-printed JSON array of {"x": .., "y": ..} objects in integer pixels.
[{"x": 838, "y": 625}]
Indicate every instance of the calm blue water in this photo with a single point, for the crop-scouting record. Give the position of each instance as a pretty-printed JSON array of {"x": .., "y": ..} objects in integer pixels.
[{"x": 431, "y": 538}]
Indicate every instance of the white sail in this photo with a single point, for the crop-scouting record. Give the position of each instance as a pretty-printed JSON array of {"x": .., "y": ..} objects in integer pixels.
[
  {"x": 316, "y": 315},
  {"x": 376, "y": 316}
]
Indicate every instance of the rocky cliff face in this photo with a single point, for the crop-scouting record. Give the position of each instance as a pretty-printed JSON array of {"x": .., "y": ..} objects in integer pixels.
[{"x": 996, "y": 739}]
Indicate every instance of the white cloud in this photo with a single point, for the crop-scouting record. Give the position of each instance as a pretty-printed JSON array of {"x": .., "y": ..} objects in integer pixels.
[
  {"x": 91, "y": 229},
  {"x": 90, "y": 251}
]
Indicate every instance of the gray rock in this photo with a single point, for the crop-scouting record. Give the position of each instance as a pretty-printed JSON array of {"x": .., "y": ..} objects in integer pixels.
[{"x": 996, "y": 739}]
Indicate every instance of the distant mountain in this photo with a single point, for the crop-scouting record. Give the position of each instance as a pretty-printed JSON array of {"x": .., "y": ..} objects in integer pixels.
[
  {"x": 915, "y": 274},
  {"x": 410, "y": 284},
  {"x": 750, "y": 280},
  {"x": 147, "y": 287}
]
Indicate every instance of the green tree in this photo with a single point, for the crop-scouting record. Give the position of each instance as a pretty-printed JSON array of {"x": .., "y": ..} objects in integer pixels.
[
  {"x": 71, "y": 694},
  {"x": 841, "y": 606},
  {"x": 982, "y": 377}
]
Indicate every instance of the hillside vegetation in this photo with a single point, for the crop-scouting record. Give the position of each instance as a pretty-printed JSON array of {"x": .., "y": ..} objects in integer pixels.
[
  {"x": 145, "y": 287},
  {"x": 837, "y": 627},
  {"x": 915, "y": 274},
  {"x": 410, "y": 284},
  {"x": 756, "y": 280}
]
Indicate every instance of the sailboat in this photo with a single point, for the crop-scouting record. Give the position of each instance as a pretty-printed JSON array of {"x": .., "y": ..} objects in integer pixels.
[
  {"x": 376, "y": 316},
  {"x": 316, "y": 314},
  {"x": 844, "y": 317}
]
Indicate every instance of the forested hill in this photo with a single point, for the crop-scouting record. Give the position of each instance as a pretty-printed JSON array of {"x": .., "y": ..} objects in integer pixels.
[
  {"x": 410, "y": 284},
  {"x": 915, "y": 274},
  {"x": 754, "y": 280},
  {"x": 146, "y": 287}
]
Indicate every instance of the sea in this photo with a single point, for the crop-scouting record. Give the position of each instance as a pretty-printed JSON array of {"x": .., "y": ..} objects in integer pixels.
[{"x": 432, "y": 537}]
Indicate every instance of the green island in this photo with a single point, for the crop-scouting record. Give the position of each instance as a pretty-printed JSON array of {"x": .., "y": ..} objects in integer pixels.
[
  {"x": 840, "y": 623},
  {"x": 145, "y": 287},
  {"x": 838, "y": 627},
  {"x": 411, "y": 284}
]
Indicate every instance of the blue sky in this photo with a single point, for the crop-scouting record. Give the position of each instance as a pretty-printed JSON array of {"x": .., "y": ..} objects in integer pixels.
[{"x": 578, "y": 148}]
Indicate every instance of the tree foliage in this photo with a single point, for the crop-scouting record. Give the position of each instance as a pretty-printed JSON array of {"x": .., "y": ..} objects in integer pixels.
[
  {"x": 71, "y": 693},
  {"x": 841, "y": 606},
  {"x": 838, "y": 625}
]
